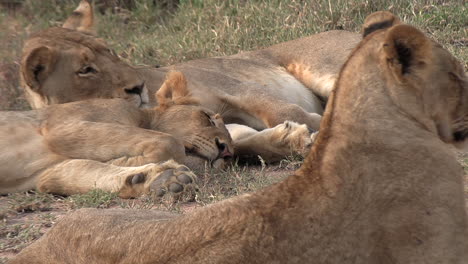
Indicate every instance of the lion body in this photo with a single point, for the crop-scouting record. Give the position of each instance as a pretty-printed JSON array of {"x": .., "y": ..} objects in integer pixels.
[
  {"x": 379, "y": 186},
  {"x": 264, "y": 88}
]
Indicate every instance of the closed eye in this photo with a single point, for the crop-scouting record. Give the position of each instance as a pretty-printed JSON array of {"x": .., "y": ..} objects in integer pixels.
[
  {"x": 212, "y": 123},
  {"x": 87, "y": 70}
]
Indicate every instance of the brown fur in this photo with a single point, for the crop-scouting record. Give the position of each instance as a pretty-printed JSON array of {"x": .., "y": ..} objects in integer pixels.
[
  {"x": 82, "y": 18},
  {"x": 379, "y": 186},
  {"x": 50, "y": 56},
  {"x": 75, "y": 147},
  {"x": 379, "y": 20}
]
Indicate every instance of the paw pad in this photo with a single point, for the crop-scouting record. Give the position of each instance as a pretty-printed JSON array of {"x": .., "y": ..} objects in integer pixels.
[
  {"x": 174, "y": 180},
  {"x": 137, "y": 178}
]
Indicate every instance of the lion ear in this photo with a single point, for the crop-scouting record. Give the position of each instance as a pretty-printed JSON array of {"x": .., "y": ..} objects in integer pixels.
[
  {"x": 82, "y": 18},
  {"x": 379, "y": 20},
  {"x": 407, "y": 51},
  {"x": 174, "y": 87},
  {"x": 37, "y": 66}
]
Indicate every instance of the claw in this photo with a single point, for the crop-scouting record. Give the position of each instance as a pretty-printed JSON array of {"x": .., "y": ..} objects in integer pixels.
[
  {"x": 175, "y": 187},
  {"x": 184, "y": 178}
]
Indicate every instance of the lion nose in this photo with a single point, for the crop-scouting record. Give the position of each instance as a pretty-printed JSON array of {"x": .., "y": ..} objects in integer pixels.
[
  {"x": 223, "y": 150},
  {"x": 137, "y": 89}
]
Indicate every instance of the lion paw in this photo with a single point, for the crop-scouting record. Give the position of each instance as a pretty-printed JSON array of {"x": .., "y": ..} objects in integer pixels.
[
  {"x": 172, "y": 180},
  {"x": 292, "y": 137},
  {"x": 159, "y": 179}
]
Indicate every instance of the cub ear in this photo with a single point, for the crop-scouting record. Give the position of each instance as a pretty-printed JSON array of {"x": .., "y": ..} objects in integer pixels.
[
  {"x": 37, "y": 66},
  {"x": 82, "y": 18},
  {"x": 173, "y": 88},
  {"x": 407, "y": 51},
  {"x": 379, "y": 20}
]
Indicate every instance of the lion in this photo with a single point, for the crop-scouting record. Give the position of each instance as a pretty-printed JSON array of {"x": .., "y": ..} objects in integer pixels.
[
  {"x": 113, "y": 145},
  {"x": 380, "y": 185},
  {"x": 258, "y": 89}
]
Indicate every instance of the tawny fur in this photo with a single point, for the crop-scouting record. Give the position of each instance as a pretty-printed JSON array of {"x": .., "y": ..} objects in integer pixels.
[
  {"x": 379, "y": 186},
  {"x": 60, "y": 66},
  {"x": 82, "y": 18}
]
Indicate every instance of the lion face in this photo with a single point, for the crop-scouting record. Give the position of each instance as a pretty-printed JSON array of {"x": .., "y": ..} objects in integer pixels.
[
  {"x": 425, "y": 80},
  {"x": 453, "y": 81},
  {"x": 60, "y": 56},
  {"x": 202, "y": 131}
]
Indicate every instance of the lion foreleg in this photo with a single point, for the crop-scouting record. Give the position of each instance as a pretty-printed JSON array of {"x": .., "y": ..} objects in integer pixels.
[
  {"x": 112, "y": 143},
  {"x": 81, "y": 176}
]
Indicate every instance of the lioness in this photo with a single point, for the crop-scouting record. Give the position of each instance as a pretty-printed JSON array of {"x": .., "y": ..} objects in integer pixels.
[
  {"x": 260, "y": 89},
  {"x": 379, "y": 186}
]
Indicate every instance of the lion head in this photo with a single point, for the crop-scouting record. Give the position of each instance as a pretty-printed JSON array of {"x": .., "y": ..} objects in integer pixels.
[
  {"x": 424, "y": 80},
  {"x": 58, "y": 56},
  {"x": 203, "y": 132},
  {"x": 428, "y": 73}
]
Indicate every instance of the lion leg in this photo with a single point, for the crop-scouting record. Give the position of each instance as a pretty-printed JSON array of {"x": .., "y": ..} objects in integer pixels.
[
  {"x": 81, "y": 176},
  {"x": 272, "y": 112},
  {"x": 113, "y": 143},
  {"x": 272, "y": 144},
  {"x": 290, "y": 112}
]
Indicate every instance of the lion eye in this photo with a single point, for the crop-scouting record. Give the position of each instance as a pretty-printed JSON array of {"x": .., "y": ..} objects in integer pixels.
[
  {"x": 212, "y": 122},
  {"x": 209, "y": 119},
  {"x": 87, "y": 70}
]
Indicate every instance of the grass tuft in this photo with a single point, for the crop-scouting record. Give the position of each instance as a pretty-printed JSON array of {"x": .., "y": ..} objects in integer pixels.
[
  {"x": 93, "y": 199},
  {"x": 13, "y": 238}
]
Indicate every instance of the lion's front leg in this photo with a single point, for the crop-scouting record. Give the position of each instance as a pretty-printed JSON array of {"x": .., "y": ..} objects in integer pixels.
[
  {"x": 81, "y": 176},
  {"x": 272, "y": 144},
  {"x": 116, "y": 144}
]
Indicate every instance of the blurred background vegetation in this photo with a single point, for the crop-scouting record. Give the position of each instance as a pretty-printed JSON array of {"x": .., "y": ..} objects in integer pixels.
[{"x": 164, "y": 32}]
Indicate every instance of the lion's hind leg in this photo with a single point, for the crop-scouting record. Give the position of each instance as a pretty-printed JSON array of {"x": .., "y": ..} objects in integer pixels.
[{"x": 81, "y": 176}]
